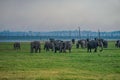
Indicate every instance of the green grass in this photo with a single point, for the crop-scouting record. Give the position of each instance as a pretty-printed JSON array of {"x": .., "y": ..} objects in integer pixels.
[{"x": 77, "y": 65}]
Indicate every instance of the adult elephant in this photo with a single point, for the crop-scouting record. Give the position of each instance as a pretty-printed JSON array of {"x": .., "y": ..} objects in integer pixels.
[
  {"x": 82, "y": 43},
  {"x": 67, "y": 46},
  {"x": 35, "y": 46},
  {"x": 48, "y": 45},
  {"x": 57, "y": 44},
  {"x": 62, "y": 46},
  {"x": 16, "y": 45},
  {"x": 105, "y": 43},
  {"x": 117, "y": 44},
  {"x": 93, "y": 44}
]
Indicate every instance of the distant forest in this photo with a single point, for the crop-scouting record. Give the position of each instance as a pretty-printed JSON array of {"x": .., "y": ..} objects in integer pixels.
[{"x": 64, "y": 35}]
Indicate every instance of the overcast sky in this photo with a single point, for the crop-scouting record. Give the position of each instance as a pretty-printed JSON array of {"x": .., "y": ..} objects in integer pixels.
[{"x": 51, "y": 15}]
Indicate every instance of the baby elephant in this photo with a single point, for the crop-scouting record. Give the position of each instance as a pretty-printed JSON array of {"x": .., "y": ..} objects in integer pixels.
[
  {"x": 16, "y": 45},
  {"x": 35, "y": 46}
]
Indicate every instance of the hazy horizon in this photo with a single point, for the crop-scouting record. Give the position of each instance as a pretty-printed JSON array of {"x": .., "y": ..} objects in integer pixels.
[{"x": 58, "y": 15}]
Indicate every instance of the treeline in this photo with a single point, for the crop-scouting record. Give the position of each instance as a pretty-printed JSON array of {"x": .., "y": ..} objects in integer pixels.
[{"x": 8, "y": 35}]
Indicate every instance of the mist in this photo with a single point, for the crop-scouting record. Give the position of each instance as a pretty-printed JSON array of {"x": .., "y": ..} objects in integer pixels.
[{"x": 51, "y": 15}]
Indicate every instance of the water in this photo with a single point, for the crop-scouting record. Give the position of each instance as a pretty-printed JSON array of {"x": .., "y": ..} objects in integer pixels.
[
  {"x": 43, "y": 38},
  {"x": 39, "y": 40}
]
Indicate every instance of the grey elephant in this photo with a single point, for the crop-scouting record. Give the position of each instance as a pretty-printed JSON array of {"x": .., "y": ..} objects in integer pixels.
[
  {"x": 67, "y": 46},
  {"x": 93, "y": 44},
  {"x": 82, "y": 43},
  {"x": 16, "y": 45},
  {"x": 35, "y": 46},
  {"x": 105, "y": 43},
  {"x": 48, "y": 45},
  {"x": 57, "y": 45},
  {"x": 62, "y": 46}
]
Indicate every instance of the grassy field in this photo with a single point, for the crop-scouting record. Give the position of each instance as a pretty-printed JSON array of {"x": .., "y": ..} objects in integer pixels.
[{"x": 77, "y": 65}]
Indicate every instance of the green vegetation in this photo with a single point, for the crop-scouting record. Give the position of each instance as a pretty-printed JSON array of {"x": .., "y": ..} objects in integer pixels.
[{"x": 77, "y": 65}]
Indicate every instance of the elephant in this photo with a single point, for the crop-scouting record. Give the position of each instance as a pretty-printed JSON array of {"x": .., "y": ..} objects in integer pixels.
[
  {"x": 105, "y": 43},
  {"x": 82, "y": 43},
  {"x": 93, "y": 44},
  {"x": 62, "y": 46},
  {"x": 35, "y": 46},
  {"x": 57, "y": 45},
  {"x": 68, "y": 46},
  {"x": 16, "y": 45},
  {"x": 48, "y": 45},
  {"x": 117, "y": 44}
]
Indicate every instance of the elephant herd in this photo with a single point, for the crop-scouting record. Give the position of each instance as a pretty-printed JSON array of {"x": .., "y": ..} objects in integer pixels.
[
  {"x": 58, "y": 45},
  {"x": 92, "y": 44},
  {"x": 53, "y": 45},
  {"x": 61, "y": 46}
]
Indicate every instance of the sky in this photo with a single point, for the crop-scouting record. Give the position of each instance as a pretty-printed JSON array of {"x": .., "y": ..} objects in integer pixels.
[{"x": 57, "y": 15}]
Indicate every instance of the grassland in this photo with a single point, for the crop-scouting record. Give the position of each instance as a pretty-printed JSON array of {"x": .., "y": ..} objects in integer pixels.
[{"x": 77, "y": 65}]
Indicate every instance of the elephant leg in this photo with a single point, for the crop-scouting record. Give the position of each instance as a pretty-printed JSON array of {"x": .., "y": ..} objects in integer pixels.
[
  {"x": 69, "y": 50},
  {"x": 87, "y": 49},
  {"x": 95, "y": 50},
  {"x": 39, "y": 50},
  {"x": 101, "y": 49},
  {"x": 60, "y": 50},
  {"x": 90, "y": 50},
  {"x": 48, "y": 49},
  {"x": 55, "y": 50},
  {"x": 65, "y": 50}
]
